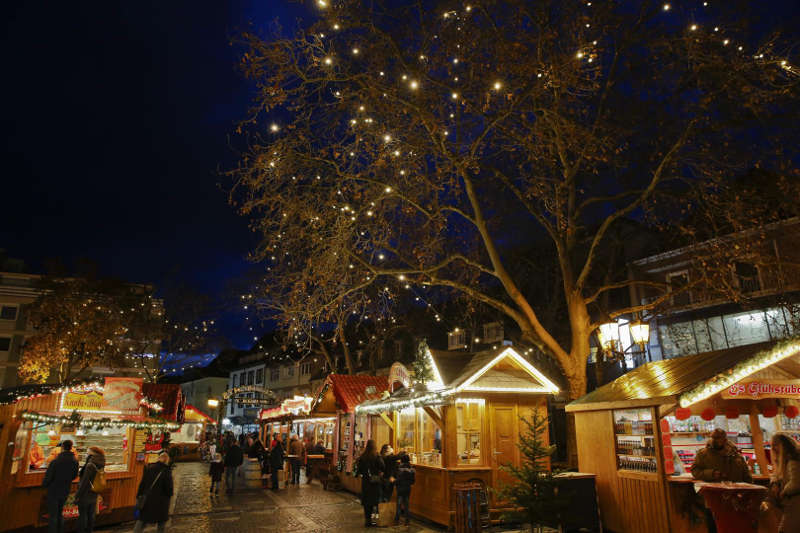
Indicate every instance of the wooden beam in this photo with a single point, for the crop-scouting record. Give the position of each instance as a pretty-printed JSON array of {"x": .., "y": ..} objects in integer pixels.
[
  {"x": 758, "y": 439},
  {"x": 435, "y": 416},
  {"x": 388, "y": 421}
]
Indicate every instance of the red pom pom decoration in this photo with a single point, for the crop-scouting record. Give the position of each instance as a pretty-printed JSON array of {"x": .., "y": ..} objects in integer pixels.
[
  {"x": 770, "y": 411},
  {"x": 731, "y": 413},
  {"x": 708, "y": 414},
  {"x": 682, "y": 413},
  {"x": 791, "y": 411}
]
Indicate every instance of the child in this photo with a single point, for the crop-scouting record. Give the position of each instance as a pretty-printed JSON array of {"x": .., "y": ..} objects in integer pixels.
[
  {"x": 405, "y": 478},
  {"x": 216, "y": 470}
]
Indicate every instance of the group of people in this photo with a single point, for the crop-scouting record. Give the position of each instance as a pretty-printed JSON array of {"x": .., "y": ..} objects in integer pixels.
[
  {"x": 721, "y": 460},
  {"x": 153, "y": 495},
  {"x": 380, "y": 474},
  {"x": 271, "y": 460}
]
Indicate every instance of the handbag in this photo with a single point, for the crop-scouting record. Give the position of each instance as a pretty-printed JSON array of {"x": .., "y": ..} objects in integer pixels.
[
  {"x": 141, "y": 499},
  {"x": 99, "y": 483}
]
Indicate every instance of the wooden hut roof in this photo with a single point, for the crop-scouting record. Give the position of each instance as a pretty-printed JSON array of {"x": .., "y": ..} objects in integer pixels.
[{"x": 664, "y": 381}]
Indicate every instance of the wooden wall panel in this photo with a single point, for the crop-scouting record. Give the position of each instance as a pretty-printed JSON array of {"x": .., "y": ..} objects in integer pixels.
[{"x": 596, "y": 455}]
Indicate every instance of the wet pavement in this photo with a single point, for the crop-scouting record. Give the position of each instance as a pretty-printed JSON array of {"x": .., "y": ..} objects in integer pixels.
[{"x": 302, "y": 508}]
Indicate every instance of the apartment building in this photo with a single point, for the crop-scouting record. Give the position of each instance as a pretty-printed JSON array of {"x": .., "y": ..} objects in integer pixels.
[
  {"x": 701, "y": 315},
  {"x": 17, "y": 292},
  {"x": 198, "y": 391}
]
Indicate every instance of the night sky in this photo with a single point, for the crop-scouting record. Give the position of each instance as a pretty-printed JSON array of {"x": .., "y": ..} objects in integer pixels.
[{"x": 115, "y": 124}]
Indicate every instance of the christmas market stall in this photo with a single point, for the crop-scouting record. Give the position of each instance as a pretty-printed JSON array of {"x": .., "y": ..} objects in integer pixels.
[
  {"x": 187, "y": 441},
  {"x": 460, "y": 422},
  {"x": 639, "y": 434},
  {"x": 113, "y": 414},
  {"x": 285, "y": 419},
  {"x": 343, "y": 433}
]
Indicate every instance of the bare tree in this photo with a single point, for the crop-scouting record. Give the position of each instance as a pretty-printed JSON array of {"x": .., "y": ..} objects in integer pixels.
[{"x": 419, "y": 143}]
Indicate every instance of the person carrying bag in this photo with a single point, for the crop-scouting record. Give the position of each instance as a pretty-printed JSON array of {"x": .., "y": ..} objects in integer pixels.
[
  {"x": 93, "y": 482},
  {"x": 153, "y": 496}
]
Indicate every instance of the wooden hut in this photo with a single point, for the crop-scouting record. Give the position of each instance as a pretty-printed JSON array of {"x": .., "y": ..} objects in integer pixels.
[
  {"x": 639, "y": 433},
  {"x": 35, "y": 419},
  {"x": 463, "y": 424}
]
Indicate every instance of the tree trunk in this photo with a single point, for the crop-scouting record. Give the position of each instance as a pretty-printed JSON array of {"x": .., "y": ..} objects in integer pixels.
[{"x": 348, "y": 358}]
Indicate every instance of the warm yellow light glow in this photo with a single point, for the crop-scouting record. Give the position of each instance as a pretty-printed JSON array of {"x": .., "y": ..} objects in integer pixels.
[
  {"x": 693, "y": 27},
  {"x": 532, "y": 390},
  {"x": 355, "y": 51},
  {"x": 213, "y": 403},
  {"x": 274, "y": 127},
  {"x": 608, "y": 334},
  {"x": 667, "y": 7},
  {"x": 497, "y": 86},
  {"x": 640, "y": 332},
  {"x": 548, "y": 386},
  {"x": 414, "y": 84},
  {"x": 327, "y": 61},
  {"x": 387, "y": 138},
  {"x": 454, "y": 96},
  {"x": 479, "y": 401},
  {"x": 579, "y": 55},
  {"x": 322, "y": 3}
]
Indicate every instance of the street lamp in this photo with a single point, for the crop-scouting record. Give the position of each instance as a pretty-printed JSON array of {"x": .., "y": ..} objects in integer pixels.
[
  {"x": 611, "y": 342},
  {"x": 213, "y": 403}
]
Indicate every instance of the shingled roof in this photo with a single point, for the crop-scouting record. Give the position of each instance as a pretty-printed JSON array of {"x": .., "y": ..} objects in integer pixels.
[{"x": 351, "y": 390}]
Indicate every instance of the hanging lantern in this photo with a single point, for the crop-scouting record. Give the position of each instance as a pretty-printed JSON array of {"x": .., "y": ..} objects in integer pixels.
[
  {"x": 682, "y": 413},
  {"x": 708, "y": 414},
  {"x": 791, "y": 411},
  {"x": 731, "y": 413},
  {"x": 770, "y": 411},
  {"x": 609, "y": 335},
  {"x": 640, "y": 332}
]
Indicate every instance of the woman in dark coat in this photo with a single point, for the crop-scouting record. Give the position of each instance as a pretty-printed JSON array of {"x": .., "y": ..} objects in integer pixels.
[
  {"x": 157, "y": 485},
  {"x": 276, "y": 458},
  {"x": 370, "y": 468}
]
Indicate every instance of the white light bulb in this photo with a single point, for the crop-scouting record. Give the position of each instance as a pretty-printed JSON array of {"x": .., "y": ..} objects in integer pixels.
[
  {"x": 387, "y": 138},
  {"x": 666, "y": 7},
  {"x": 414, "y": 85},
  {"x": 454, "y": 96},
  {"x": 693, "y": 27},
  {"x": 497, "y": 86},
  {"x": 328, "y": 61},
  {"x": 388, "y": 190},
  {"x": 355, "y": 51}
]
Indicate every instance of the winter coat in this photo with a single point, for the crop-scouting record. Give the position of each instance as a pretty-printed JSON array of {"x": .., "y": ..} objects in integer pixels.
[
  {"x": 256, "y": 451},
  {"x": 789, "y": 497},
  {"x": 318, "y": 449},
  {"x": 367, "y": 468},
  {"x": 728, "y": 461},
  {"x": 156, "y": 506},
  {"x": 296, "y": 448},
  {"x": 276, "y": 457},
  {"x": 406, "y": 476},
  {"x": 59, "y": 475},
  {"x": 94, "y": 464},
  {"x": 216, "y": 470},
  {"x": 234, "y": 457}
]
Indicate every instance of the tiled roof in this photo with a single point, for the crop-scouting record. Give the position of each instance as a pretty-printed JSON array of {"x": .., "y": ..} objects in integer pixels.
[
  {"x": 169, "y": 396},
  {"x": 350, "y": 391}
]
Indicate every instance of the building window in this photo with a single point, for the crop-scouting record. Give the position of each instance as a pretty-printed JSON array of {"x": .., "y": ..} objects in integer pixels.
[
  {"x": 5, "y": 344},
  {"x": 678, "y": 283},
  {"x": 251, "y": 377},
  {"x": 492, "y": 332},
  {"x": 305, "y": 369},
  {"x": 260, "y": 376},
  {"x": 747, "y": 277},
  {"x": 398, "y": 349},
  {"x": 290, "y": 371},
  {"x": 274, "y": 374},
  {"x": 8, "y": 312},
  {"x": 457, "y": 340},
  {"x": 231, "y": 407},
  {"x": 235, "y": 380}
]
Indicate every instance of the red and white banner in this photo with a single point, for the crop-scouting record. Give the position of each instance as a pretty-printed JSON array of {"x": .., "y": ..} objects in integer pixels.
[{"x": 756, "y": 389}]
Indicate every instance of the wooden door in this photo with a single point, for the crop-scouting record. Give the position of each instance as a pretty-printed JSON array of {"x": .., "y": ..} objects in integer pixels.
[{"x": 503, "y": 446}]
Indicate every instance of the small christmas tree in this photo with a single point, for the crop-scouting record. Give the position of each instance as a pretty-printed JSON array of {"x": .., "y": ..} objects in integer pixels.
[
  {"x": 536, "y": 495},
  {"x": 423, "y": 373}
]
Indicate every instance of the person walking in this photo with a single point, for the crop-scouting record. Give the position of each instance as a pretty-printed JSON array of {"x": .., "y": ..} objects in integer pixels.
[
  {"x": 406, "y": 476},
  {"x": 370, "y": 468},
  {"x": 153, "y": 495},
  {"x": 785, "y": 483},
  {"x": 215, "y": 471},
  {"x": 58, "y": 480},
  {"x": 233, "y": 460},
  {"x": 295, "y": 458},
  {"x": 92, "y": 482}
]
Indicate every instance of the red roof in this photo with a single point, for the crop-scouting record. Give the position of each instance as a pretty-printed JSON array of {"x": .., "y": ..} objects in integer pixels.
[
  {"x": 169, "y": 396},
  {"x": 350, "y": 391}
]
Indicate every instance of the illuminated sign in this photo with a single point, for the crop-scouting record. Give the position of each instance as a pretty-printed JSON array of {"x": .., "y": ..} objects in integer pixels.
[
  {"x": 756, "y": 389},
  {"x": 399, "y": 374}
]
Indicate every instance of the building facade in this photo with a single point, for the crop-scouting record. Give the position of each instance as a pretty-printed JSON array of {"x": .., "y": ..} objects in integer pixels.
[
  {"x": 197, "y": 393},
  {"x": 17, "y": 292}
]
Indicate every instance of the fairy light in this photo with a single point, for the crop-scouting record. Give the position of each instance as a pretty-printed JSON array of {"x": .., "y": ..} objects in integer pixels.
[
  {"x": 355, "y": 51},
  {"x": 329, "y": 61},
  {"x": 387, "y": 138},
  {"x": 454, "y": 96},
  {"x": 414, "y": 85},
  {"x": 274, "y": 127},
  {"x": 497, "y": 86},
  {"x": 667, "y": 7},
  {"x": 693, "y": 27}
]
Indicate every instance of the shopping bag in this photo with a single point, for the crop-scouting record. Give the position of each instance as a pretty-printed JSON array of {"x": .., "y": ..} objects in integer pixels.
[{"x": 386, "y": 511}]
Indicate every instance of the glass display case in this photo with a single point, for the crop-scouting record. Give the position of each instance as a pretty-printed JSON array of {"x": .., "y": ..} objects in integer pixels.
[
  {"x": 634, "y": 433},
  {"x": 45, "y": 440}
]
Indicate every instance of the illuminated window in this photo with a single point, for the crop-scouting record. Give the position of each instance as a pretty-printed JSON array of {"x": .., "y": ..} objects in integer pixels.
[
  {"x": 405, "y": 430},
  {"x": 468, "y": 432}
]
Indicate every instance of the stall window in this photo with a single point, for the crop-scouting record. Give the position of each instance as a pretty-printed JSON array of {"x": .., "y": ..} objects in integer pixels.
[
  {"x": 635, "y": 440},
  {"x": 46, "y": 437},
  {"x": 468, "y": 431},
  {"x": 405, "y": 430},
  {"x": 429, "y": 447},
  {"x": 20, "y": 445}
]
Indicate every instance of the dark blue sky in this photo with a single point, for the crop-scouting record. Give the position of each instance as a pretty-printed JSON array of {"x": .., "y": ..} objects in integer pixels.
[{"x": 115, "y": 116}]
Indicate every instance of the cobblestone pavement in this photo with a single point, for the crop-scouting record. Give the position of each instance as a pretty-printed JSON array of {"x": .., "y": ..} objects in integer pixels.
[{"x": 302, "y": 508}]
